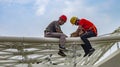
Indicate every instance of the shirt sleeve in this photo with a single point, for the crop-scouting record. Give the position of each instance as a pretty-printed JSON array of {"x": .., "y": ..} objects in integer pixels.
[{"x": 58, "y": 28}]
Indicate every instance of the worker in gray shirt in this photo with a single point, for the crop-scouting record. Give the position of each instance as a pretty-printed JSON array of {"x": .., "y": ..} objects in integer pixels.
[{"x": 54, "y": 30}]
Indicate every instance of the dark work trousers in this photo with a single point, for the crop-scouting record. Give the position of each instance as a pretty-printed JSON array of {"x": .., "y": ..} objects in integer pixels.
[
  {"x": 61, "y": 36},
  {"x": 87, "y": 46}
]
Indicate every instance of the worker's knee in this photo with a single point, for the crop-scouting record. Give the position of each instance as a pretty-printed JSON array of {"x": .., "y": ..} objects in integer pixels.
[
  {"x": 63, "y": 36},
  {"x": 83, "y": 37}
]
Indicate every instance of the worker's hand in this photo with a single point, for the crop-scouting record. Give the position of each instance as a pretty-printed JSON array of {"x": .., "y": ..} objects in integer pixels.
[
  {"x": 59, "y": 31},
  {"x": 81, "y": 32},
  {"x": 74, "y": 34},
  {"x": 77, "y": 33}
]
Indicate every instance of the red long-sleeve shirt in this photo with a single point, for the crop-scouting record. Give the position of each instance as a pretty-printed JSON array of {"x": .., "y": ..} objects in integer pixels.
[{"x": 87, "y": 25}]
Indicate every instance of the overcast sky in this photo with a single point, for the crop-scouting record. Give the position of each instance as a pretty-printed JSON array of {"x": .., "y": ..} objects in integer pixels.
[{"x": 30, "y": 17}]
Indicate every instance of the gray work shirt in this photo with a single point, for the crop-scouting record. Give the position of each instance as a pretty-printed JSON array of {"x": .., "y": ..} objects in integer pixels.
[{"x": 53, "y": 27}]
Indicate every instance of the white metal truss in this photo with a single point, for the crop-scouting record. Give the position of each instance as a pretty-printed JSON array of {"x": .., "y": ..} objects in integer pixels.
[{"x": 35, "y": 51}]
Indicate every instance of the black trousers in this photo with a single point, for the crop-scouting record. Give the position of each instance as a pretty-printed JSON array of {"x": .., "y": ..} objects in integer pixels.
[{"x": 87, "y": 46}]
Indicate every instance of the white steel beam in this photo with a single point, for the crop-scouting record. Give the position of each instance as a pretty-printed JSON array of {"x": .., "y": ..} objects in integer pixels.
[
  {"x": 111, "y": 61},
  {"x": 113, "y": 38}
]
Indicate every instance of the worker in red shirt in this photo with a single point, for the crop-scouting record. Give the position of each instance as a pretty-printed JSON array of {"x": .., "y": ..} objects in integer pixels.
[
  {"x": 89, "y": 29},
  {"x": 54, "y": 30}
]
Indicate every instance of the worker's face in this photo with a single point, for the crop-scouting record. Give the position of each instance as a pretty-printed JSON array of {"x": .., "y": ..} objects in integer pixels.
[
  {"x": 61, "y": 21},
  {"x": 76, "y": 23}
]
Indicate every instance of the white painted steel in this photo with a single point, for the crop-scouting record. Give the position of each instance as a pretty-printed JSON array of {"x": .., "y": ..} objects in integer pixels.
[
  {"x": 113, "y": 38},
  {"x": 29, "y": 51}
]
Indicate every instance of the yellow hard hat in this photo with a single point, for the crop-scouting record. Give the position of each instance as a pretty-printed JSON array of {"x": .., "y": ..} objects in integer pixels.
[{"x": 73, "y": 20}]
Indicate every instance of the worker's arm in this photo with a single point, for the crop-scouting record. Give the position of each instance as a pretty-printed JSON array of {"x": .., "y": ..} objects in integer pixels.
[{"x": 78, "y": 32}]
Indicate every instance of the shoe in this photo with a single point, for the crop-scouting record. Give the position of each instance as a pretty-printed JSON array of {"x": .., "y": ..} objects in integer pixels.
[
  {"x": 91, "y": 51},
  {"x": 85, "y": 54},
  {"x": 38, "y": 62},
  {"x": 63, "y": 49},
  {"x": 61, "y": 54}
]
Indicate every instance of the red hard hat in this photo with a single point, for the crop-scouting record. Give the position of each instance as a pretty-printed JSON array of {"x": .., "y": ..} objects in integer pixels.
[{"x": 63, "y": 17}]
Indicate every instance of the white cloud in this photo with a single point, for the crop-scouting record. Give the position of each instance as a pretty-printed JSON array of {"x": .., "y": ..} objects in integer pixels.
[
  {"x": 95, "y": 13},
  {"x": 40, "y": 10},
  {"x": 78, "y": 8},
  {"x": 41, "y": 6}
]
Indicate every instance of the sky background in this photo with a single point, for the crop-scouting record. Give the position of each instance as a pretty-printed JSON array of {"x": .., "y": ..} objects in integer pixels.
[{"x": 31, "y": 17}]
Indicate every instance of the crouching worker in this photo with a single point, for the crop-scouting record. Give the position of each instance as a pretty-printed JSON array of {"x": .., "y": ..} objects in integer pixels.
[
  {"x": 54, "y": 30},
  {"x": 89, "y": 30}
]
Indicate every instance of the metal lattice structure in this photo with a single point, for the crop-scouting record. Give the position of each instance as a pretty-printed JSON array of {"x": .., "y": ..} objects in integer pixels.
[{"x": 31, "y": 51}]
